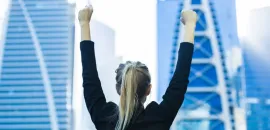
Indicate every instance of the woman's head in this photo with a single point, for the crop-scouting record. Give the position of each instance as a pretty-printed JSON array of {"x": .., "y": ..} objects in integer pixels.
[
  {"x": 133, "y": 85},
  {"x": 143, "y": 77}
]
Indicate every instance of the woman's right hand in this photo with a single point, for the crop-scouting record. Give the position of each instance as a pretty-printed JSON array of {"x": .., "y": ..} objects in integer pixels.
[
  {"x": 85, "y": 15},
  {"x": 189, "y": 19}
]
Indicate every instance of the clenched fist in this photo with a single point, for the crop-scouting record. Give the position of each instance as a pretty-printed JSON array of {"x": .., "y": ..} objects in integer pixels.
[
  {"x": 189, "y": 17},
  {"x": 85, "y": 14}
]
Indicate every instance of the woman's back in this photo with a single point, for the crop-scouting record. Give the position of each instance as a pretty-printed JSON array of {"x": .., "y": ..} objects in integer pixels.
[
  {"x": 105, "y": 115},
  {"x": 150, "y": 118}
]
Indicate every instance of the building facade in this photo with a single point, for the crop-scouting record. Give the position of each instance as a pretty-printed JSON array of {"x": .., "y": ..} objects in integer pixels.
[{"x": 36, "y": 66}]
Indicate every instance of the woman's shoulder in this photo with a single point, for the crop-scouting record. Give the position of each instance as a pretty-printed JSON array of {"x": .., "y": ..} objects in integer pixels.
[
  {"x": 109, "y": 112},
  {"x": 111, "y": 105},
  {"x": 152, "y": 106},
  {"x": 109, "y": 109}
]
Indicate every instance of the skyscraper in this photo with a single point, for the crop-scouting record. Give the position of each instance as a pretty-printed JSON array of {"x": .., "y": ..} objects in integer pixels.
[
  {"x": 36, "y": 66},
  {"x": 209, "y": 102},
  {"x": 257, "y": 63}
]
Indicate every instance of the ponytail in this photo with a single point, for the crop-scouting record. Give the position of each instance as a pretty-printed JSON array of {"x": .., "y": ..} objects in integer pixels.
[
  {"x": 128, "y": 98},
  {"x": 135, "y": 80}
]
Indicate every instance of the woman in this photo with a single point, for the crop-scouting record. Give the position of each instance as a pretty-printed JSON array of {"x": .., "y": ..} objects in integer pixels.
[{"x": 134, "y": 85}]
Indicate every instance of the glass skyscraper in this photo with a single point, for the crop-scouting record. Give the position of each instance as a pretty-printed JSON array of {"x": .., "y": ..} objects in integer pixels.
[
  {"x": 36, "y": 66},
  {"x": 257, "y": 70}
]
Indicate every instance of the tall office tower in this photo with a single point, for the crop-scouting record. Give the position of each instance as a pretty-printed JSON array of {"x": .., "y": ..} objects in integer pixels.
[
  {"x": 257, "y": 69},
  {"x": 35, "y": 76},
  {"x": 209, "y": 101}
]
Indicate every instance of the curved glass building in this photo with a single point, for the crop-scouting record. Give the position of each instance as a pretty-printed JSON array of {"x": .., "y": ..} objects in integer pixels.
[{"x": 36, "y": 66}]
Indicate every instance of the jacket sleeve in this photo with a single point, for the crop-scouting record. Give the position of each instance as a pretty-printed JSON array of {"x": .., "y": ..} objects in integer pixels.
[
  {"x": 93, "y": 93},
  {"x": 174, "y": 95}
]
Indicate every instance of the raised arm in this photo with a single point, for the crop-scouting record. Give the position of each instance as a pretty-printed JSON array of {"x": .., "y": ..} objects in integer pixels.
[
  {"x": 93, "y": 94},
  {"x": 174, "y": 96}
]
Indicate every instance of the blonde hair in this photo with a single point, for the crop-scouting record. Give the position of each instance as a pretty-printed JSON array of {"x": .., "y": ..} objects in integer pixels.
[{"x": 135, "y": 80}]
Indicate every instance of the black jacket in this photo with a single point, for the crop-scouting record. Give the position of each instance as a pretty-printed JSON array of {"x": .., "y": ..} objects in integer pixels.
[{"x": 155, "y": 116}]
